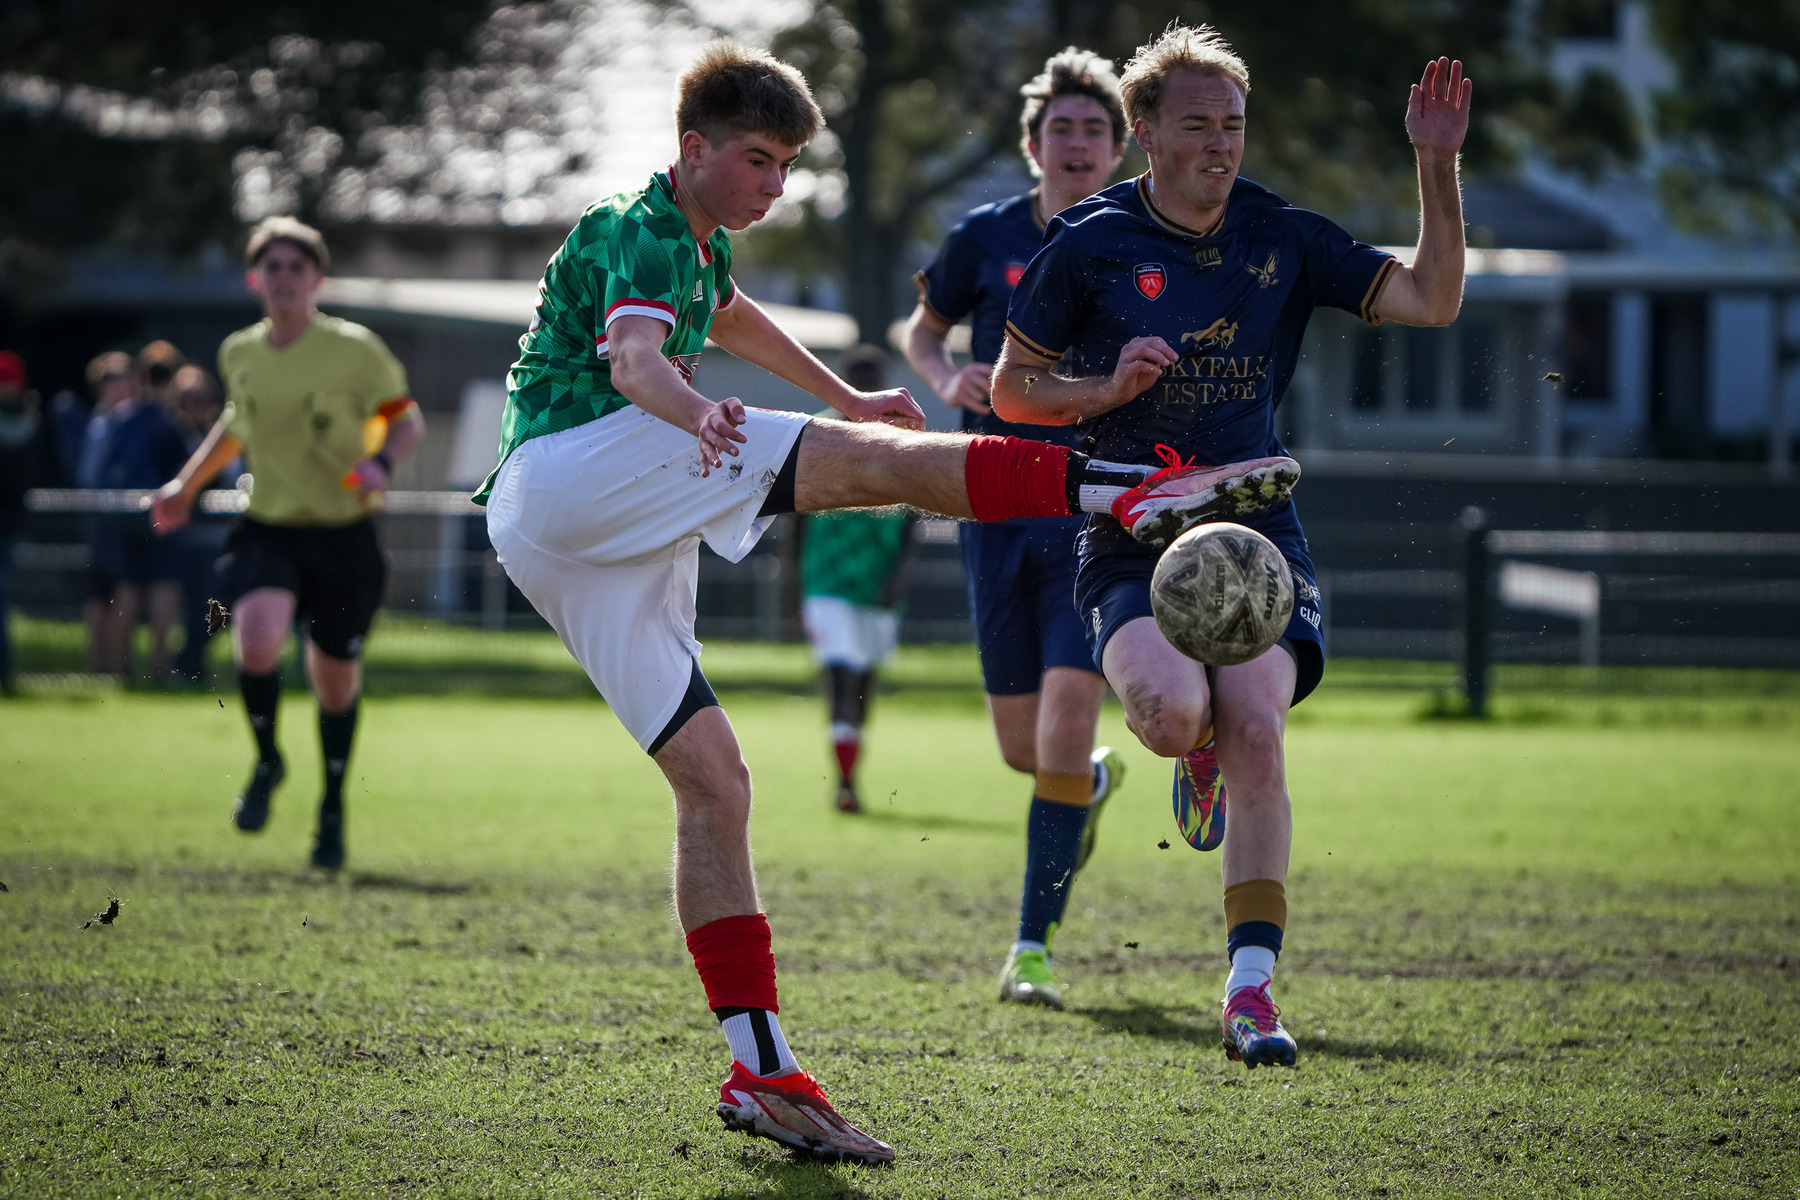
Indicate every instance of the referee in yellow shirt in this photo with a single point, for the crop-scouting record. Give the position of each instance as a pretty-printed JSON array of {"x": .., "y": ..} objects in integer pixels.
[{"x": 304, "y": 391}]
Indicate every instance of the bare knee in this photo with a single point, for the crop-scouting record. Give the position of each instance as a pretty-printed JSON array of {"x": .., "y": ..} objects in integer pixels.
[
  {"x": 1025, "y": 762},
  {"x": 1167, "y": 726},
  {"x": 720, "y": 795}
]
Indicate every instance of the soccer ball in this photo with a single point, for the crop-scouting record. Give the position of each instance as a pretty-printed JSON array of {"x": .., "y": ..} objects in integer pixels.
[{"x": 1222, "y": 594}]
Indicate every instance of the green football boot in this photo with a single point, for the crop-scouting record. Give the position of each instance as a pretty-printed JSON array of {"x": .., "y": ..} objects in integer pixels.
[
  {"x": 1028, "y": 978},
  {"x": 1109, "y": 777}
]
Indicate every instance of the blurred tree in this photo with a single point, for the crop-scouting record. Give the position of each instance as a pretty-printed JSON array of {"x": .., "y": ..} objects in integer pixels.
[
  {"x": 921, "y": 94},
  {"x": 125, "y": 122},
  {"x": 1731, "y": 127},
  {"x": 915, "y": 105}
]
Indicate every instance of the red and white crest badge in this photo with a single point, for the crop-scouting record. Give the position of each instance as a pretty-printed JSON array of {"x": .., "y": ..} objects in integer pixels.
[
  {"x": 1150, "y": 279},
  {"x": 1014, "y": 273}
]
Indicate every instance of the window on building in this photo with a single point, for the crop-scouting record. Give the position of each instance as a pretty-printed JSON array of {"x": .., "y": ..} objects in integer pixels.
[
  {"x": 1587, "y": 347},
  {"x": 1425, "y": 350},
  {"x": 1480, "y": 344},
  {"x": 1365, "y": 369}
]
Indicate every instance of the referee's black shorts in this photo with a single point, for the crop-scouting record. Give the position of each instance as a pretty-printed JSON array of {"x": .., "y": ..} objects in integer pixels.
[{"x": 336, "y": 575}]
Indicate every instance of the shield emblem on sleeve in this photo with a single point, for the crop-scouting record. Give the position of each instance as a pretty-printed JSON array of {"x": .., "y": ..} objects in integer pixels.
[{"x": 1150, "y": 279}]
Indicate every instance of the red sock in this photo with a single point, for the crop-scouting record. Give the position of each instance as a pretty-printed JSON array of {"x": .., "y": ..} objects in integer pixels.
[
  {"x": 736, "y": 962},
  {"x": 847, "y": 750},
  {"x": 1014, "y": 477}
]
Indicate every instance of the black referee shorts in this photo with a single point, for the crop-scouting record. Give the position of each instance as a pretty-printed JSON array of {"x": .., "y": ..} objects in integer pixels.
[{"x": 335, "y": 573}]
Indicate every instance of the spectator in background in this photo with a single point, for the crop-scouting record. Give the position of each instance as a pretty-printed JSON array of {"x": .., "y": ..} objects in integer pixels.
[
  {"x": 131, "y": 443},
  {"x": 850, "y": 584},
  {"x": 195, "y": 405},
  {"x": 28, "y": 459},
  {"x": 159, "y": 362}
]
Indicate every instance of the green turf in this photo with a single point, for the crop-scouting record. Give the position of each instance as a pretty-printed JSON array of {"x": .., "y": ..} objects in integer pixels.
[{"x": 1545, "y": 956}]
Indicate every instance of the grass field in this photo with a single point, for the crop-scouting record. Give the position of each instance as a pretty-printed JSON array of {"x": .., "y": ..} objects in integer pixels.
[{"x": 1554, "y": 954}]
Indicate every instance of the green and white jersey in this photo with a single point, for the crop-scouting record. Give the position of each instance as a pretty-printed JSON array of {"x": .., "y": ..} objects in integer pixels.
[
  {"x": 854, "y": 555},
  {"x": 632, "y": 255}
]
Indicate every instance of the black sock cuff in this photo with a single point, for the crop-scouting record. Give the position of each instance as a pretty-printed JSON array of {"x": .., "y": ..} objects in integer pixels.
[{"x": 1073, "y": 478}]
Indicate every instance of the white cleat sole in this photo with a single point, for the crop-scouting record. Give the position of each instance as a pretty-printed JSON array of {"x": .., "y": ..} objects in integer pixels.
[{"x": 1244, "y": 494}]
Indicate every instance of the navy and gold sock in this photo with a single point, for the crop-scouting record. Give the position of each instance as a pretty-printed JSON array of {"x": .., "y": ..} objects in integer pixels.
[
  {"x": 1255, "y": 921},
  {"x": 1052, "y": 845}
]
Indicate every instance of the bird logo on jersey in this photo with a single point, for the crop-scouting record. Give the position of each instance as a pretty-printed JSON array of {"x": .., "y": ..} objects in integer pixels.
[
  {"x": 1150, "y": 279},
  {"x": 1220, "y": 334},
  {"x": 1265, "y": 274},
  {"x": 1014, "y": 273}
]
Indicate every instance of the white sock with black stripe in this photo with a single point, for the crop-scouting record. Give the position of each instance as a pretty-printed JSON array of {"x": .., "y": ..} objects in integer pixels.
[{"x": 756, "y": 1041}]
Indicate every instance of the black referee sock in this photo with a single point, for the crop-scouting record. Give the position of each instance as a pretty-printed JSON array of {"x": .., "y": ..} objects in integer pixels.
[
  {"x": 336, "y": 732},
  {"x": 262, "y": 695}
]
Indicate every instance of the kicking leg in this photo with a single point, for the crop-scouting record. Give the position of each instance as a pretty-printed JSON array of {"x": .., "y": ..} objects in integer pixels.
[
  {"x": 981, "y": 478},
  {"x": 1252, "y": 702}
]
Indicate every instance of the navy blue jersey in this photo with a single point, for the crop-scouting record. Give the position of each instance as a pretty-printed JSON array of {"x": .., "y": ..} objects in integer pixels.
[
  {"x": 973, "y": 276},
  {"x": 1232, "y": 300}
]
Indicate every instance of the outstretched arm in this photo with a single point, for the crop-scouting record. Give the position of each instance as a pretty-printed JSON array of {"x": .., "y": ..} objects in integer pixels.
[
  {"x": 174, "y": 500},
  {"x": 1025, "y": 390},
  {"x": 1437, "y": 119},
  {"x": 746, "y": 330}
]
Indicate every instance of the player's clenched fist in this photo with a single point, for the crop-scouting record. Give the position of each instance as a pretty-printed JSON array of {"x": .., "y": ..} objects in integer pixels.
[
  {"x": 1141, "y": 363},
  {"x": 891, "y": 406},
  {"x": 718, "y": 431}
]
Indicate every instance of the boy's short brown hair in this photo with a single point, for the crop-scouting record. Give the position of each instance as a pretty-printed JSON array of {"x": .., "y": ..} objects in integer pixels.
[
  {"x": 296, "y": 233},
  {"x": 1196, "y": 49},
  {"x": 1074, "y": 72},
  {"x": 733, "y": 89}
]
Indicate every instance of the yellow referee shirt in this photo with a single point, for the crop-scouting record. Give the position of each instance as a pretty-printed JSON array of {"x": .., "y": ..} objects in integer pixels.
[{"x": 299, "y": 411}]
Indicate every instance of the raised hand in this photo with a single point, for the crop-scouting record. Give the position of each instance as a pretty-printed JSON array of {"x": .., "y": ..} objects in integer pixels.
[
  {"x": 1437, "y": 110},
  {"x": 891, "y": 406},
  {"x": 718, "y": 432}
]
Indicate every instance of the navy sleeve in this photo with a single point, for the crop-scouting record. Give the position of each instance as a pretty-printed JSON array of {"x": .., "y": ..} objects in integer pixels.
[
  {"x": 1345, "y": 273},
  {"x": 950, "y": 282},
  {"x": 1050, "y": 303}
]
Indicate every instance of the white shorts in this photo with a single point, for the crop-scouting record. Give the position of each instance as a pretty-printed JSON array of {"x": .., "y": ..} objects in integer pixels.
[
  {"x": 849, "y": 635},
  {"x": 600, "y": 526}
]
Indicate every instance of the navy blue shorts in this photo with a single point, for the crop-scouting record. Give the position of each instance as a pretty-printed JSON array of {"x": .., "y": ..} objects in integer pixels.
[
  {"x": 1113, "y": 587},
  {"x": 1022, "y": 594}
]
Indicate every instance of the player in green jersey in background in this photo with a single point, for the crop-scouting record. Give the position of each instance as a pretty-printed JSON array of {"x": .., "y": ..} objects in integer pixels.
[{"x": 851, "y": 568}]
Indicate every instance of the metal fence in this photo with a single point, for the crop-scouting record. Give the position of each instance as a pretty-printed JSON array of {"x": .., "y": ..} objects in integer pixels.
[{"x": 1714, "y": 599}]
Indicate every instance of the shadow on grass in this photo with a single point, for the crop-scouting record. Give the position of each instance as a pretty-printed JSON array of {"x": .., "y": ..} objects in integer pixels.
[
  {"x": 400, "y": 883},
  {"x": 1147, "y": 1020},
  {"x": 878, "y": 812},
  {"x": 799, "y": 1177},
  {"x": 1353, "y": 1048}
]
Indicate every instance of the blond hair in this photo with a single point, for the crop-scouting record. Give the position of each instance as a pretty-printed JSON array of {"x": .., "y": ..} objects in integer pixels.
[
  {"x": 1197, "y": 49},
  {"x": 1074, "y": 72},
  {"x": 733, "y": 89},
  {"x": 296, "y": 233}
]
